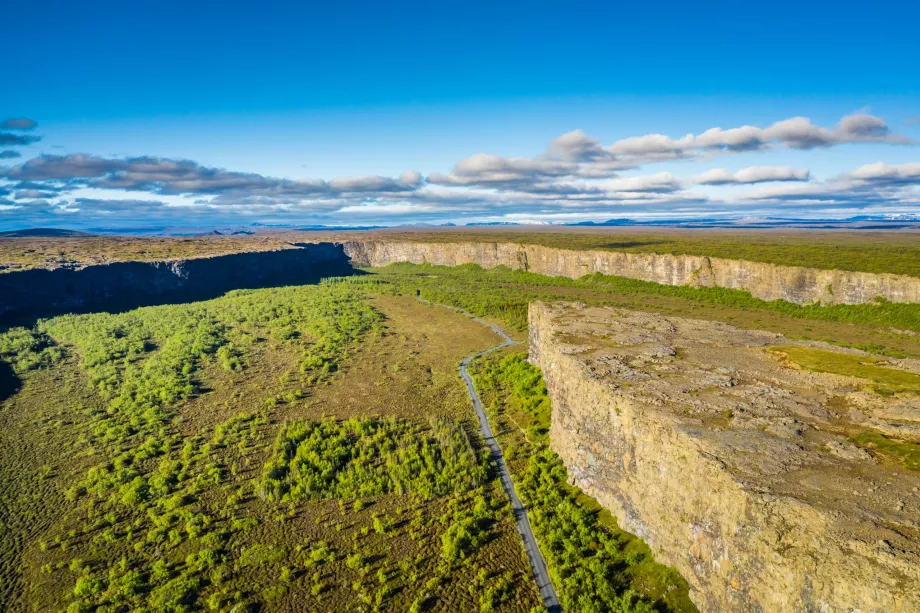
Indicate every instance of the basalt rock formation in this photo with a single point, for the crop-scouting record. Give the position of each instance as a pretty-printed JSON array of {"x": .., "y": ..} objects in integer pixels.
[
  {"x": 766, "y": 281},
  {"x": 123, "y": 285},
  {"x": 735, "y": 466}
]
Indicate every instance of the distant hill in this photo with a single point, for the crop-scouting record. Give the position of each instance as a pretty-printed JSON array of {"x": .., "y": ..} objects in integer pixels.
[{"x": 43, "y": 233}]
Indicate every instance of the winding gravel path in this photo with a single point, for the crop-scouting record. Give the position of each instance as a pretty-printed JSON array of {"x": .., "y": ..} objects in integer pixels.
[{"x": 537, "y": 563}]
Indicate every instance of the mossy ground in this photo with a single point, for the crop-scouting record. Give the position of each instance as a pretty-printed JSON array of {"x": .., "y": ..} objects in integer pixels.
[{"x": 904, "y": 452}]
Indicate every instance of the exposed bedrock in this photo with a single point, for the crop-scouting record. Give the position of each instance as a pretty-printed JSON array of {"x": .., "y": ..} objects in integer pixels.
[
  {"x": 129, "y": 284},
  {"x": 734, "y": 466},
  {"x": 766, "y": 281}
]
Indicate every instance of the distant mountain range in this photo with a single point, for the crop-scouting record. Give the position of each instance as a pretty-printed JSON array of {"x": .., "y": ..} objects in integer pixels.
[{"x": 857, "y": 222}]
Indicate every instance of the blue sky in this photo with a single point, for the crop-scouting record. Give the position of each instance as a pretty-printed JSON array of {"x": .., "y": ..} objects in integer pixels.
[{"x": 350, "y": 113}]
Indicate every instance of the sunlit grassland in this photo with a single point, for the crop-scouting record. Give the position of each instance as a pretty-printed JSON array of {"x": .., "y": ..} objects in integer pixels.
[
  {"x": 137, "y": 453},
  {"x": 505, "y": 294}
]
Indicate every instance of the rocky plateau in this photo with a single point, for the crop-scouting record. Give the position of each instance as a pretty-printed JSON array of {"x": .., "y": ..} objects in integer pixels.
[{"x": 737, "y": 466}]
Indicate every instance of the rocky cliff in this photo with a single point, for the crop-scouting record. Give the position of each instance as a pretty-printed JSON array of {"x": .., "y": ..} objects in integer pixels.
[
  {"x": 731, "y": 464},
  {"x": 766, "y": 281},
  {"x": 130, "y": 284}
]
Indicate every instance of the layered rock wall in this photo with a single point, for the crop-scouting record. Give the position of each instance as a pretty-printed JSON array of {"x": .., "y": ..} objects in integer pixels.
[
  {"x": 700, "y": 441},
  {"x": 765, "y": 281}
]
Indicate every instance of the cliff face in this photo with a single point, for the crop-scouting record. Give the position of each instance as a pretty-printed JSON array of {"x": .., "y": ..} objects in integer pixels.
[
  {"x": 130, "y": 284},
  {"x": 766, "y": 281},
  {"x": 729, "y": 463}
]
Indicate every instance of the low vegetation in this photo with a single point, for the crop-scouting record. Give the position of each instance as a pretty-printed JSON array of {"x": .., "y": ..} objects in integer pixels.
[
  {"x": 904, "y": 452},
  {"x": 504, "y": 294},
  {"x": 313, "y": 445},
  {"x": 594, "y": 565},
  {"x": 140, "y": 472},
  {"x": 368, "y": 457}
]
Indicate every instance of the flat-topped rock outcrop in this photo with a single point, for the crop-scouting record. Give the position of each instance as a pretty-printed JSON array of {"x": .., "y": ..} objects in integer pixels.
[
  {"x": 763, "y": 482},
  {"x": 767, "y": 281}
]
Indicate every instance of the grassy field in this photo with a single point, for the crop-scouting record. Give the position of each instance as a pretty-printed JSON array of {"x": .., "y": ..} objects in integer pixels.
[
  {"x": 871, "y": 251},
  {"x": 161, "y": 458},
  {"x": 503, "y": 294}
]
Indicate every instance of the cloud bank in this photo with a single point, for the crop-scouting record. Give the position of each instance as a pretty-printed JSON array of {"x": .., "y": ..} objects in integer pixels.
[{"x": 575, "y": 178}]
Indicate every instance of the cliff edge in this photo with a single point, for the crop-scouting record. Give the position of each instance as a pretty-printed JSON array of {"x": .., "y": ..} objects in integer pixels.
[
  {"x": 766, "y": 281},
  {"x": 736, "y": 464}
]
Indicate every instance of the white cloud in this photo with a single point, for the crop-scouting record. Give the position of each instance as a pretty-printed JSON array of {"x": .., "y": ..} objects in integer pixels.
[
  {"x": 880, "y": 172},
  {"x": 753, "y": 174},
  {"x": 411, "y": 177},
  {"x": 486, "y": 170},
  {"x": 662, "y": 182},
  {"x": 575, "y": 176},
  {"x": 795, "y": 133}
]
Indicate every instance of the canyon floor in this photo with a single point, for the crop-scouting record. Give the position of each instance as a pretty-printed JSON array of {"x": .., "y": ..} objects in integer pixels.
[
  {"x": 302, "y": 448},
  {"x": 734, "y": 453}
]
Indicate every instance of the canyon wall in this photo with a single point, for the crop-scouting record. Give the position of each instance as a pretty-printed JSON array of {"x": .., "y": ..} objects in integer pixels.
[
  {"x": 727, "y": 462},
  {"x": 123, "y": 285},
  {"x": 765, "y": 281}
]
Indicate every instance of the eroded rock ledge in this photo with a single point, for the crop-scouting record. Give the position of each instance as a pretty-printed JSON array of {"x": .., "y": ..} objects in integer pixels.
[
  {"x": 735, "y": 467},
  {"x": 766, "y": 281}
]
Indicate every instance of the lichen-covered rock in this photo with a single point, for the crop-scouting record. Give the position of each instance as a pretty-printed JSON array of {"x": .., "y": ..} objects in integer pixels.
[
  {"x": 735, "y": 466},
  {"x": 766, "y": 281}
]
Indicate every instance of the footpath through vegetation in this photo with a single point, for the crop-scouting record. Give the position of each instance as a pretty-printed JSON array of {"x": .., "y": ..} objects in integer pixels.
[{"x": 537, "y": 563}]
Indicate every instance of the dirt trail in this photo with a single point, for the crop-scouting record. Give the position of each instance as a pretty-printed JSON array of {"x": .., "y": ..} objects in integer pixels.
[{"x": 537, "y": 563}]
